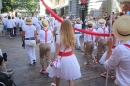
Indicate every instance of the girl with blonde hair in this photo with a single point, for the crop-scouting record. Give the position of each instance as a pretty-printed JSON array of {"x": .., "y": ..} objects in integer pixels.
[{"x": 69, "y": 66}]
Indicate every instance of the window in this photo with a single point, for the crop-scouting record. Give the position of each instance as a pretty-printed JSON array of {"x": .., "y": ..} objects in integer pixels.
[
  {"x": 57, "y": 2},
  {"x": 70, "y": 5},
  {"x": 65, "y": 1}
]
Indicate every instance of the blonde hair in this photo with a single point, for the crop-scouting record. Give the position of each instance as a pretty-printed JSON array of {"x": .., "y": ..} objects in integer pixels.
[{"x": 67, "y": 36}]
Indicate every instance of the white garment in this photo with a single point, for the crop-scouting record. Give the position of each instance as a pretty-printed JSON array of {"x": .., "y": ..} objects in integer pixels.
[
  {"x": 4, "y": 21},
  {"x": 69, "y": 68},
  {"x": 78, "y": 34},
  {"x": 88, "y": 38},
  {"x": 9, "y": 23},
  {"x": 29, "y": 32},
  {"x": 120, "y": 60},
  {"x": 79, "y": 26},
  {"x": 31, "y": 53},
  {"x": 38, "y": 26},
  {"x": 42, "y": 36},
  {"x": 58, "y": 25},
  {"x": 100, "y": 30},
  {"x": 14, "y": 22},
  {"x": 20, "y": 22},
  {"x": 16, "y": 19}
]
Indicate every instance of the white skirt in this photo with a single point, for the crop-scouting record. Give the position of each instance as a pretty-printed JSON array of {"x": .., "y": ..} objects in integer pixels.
[
  {"x": 69, "y": 70},
  {"x": 52, "y": 47}
]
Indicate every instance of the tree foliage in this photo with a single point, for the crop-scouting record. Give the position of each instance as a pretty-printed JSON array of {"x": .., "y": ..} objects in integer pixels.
[{"x": 28, "y": 5}]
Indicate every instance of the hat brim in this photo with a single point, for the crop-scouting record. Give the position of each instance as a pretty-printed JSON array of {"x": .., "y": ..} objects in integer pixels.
[
  {"x": 44, "y": 26},
  {"x": 29, "y": 23},
  {"x": 78, "y": 21},
  {"x": 118, "y": 35}
]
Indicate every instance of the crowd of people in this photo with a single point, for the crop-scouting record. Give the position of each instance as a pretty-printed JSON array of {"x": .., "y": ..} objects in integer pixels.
[{"x": 61, "y": 38}]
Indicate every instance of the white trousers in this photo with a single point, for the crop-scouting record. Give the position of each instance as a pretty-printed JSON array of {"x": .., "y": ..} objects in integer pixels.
[
  {"x": 78, "y": 39},
  {"x": 31, "y": 53}
]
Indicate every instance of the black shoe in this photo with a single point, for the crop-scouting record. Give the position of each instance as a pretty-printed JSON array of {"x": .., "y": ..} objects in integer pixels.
[
  {"x": 34, "y": 61},
  {"x": 9, "y": 70}
]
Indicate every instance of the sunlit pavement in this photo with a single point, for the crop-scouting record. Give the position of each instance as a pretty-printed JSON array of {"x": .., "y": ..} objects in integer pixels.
[{"x": 26, "y": 75}]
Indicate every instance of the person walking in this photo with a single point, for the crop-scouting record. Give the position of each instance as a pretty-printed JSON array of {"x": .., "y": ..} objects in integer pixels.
[
  {"x": 69, "y": 66},
  {"x": 77, "y": 33},
  {"x": 10, "y": 26},
  {"x": 45, "y": 38},
  {"x": 28, "y": 34}
]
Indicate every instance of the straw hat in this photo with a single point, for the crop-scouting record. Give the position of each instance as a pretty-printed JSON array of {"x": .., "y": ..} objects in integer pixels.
[
  {"x": 44, "y": 23},
  {"x": 89, "y": 23},
  {"x": 121, "y": 28},
  {"x": 28, "y": 21},
  {"x": 101, "y": 22},
  {"x": 78, "y": 20},
  {"x": 91, "y": 18}
]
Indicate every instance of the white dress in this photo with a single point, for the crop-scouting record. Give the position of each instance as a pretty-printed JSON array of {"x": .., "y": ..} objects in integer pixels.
[{"x": 69, "y": 66}]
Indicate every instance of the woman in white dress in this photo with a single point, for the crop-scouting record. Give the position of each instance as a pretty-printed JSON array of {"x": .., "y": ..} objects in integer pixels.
[
  {"x": 29, "y": 33},
  {"x": 69, "y": 66}
]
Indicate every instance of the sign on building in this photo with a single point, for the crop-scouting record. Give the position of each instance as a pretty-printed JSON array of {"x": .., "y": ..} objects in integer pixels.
[{"x": 83, "y": 7}]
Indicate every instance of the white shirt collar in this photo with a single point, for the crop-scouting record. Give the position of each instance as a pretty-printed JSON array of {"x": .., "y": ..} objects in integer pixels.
[{"x": 125, "y": 42}]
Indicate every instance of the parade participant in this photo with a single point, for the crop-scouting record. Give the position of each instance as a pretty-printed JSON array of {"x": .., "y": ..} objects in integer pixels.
[
  {"x": 56, "y": 29},
  {"x": 69, "y": 66},
  {"x": 89, "y": 42},
  {"x": 1, "y": 26},
  {"x": 46, "y": 38},
  {"x": 77, "y": 33},
  {"x": 51, "y": 28},
  {"x": 10, "y": 26},
  {"x": 28, "y": 34},
  {"x": 101, "y": 41},
  {"x": 14, "y": 26},
  {"x": 94, "y": 24},
  {"x": 5, "y": 25},
  {"x": 20, "y": 25},
  {"x": 119, "y": 58}
]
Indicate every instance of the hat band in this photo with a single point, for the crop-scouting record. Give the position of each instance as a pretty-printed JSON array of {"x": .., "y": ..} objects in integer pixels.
[{"x": 123, "y": 34}]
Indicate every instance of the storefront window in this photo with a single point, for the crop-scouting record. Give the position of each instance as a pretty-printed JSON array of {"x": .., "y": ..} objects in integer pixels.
[{"x": 57, "y": 2}]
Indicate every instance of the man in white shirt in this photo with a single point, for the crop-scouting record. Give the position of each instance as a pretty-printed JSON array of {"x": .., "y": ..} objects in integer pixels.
[
  {"x": 56, "y": 29},
  {"x": 119, "y": 58},
  {"x": 14, "y": 26},
  {"x": 101, "y": 41},
  {"x": 10, "y": 26},
  {"x": 89, "y": 41}
]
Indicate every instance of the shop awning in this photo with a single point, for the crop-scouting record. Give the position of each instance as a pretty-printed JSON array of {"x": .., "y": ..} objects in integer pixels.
[{"x": 59, "y": 7}]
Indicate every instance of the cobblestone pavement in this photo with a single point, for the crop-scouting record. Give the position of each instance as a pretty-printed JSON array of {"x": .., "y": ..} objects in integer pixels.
[{"x": 26, "y": 75}]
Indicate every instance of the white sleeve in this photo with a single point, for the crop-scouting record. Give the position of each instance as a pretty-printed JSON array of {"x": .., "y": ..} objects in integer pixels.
[
  {"x": 85, "y": 38},
  {"x": 114, "y": 60},
  {"x": 58, "y": 39}
]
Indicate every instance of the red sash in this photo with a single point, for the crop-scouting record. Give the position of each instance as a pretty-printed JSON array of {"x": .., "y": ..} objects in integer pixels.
[
  {"x": 127, "y": 45},
  {"x": 46, "y": 35},
  {"x": 65, "y": 53},
  {"x": 104, "y": 31}
]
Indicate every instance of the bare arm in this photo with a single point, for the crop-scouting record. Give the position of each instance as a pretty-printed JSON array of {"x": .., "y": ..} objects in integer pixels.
[
  {"x": 56, "y": 52},
  {"x": 23, "y": 34}
]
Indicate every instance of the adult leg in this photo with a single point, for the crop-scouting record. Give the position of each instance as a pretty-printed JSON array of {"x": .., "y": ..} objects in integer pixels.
[
  {"x": 33, "y": 53},
  {"x": 29, "y": 52}
]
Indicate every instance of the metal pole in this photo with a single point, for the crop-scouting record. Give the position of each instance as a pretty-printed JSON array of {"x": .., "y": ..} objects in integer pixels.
[{"x": 110, "y": 37}]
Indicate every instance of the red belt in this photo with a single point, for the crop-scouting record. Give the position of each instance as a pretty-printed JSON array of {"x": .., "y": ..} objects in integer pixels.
[
  {"x": 65, "y": 53},
  {"x": 113, "y": 47}
]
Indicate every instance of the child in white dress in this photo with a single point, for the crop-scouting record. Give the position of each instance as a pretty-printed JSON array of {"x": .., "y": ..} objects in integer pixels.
[{"x": 69, "y": 66}]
